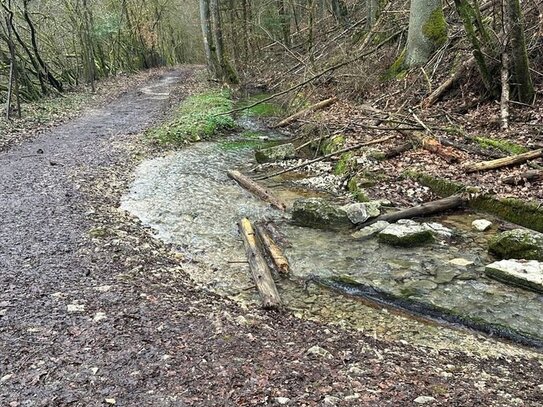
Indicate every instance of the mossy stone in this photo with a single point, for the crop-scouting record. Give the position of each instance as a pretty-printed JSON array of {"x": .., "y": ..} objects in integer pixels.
[
  {"x": 405, "y": 235},
  {"x": 346, "y": 164},
  {"x": 355, "y": 187},
  {"x": 276, "y": 153},
  {"x": 319, "y": 213},
  {"x": 518, "y": 244},
  {"x": 333, "y": 145}
]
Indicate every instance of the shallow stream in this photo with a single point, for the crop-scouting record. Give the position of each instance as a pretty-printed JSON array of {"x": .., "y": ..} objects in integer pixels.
[{"x": 187, "y": 200}]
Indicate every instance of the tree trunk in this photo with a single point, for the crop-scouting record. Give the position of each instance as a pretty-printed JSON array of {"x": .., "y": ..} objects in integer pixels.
[
  {"x": 284, "y": 18},
  {"x": 427, "y": 31},
  {"x": 209, "y": 47},
  {"x": 504, "y": 162},
  {"x": 522, "y": 85},
  {"x": 373, "y": 9}
]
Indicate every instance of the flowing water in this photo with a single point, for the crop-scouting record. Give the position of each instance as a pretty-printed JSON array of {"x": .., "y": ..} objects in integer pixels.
[{"x": 187, "y": 200}]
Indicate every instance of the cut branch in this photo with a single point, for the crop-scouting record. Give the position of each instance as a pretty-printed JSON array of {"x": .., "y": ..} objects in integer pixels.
[
  {"x": 504, "y": 162},
  {"x": 256, "y": 189},
  {"x": 428, "y": 208},
  {"x": 449, "y": 83},
  {"x": 259, "y": 268},
  {"x": 528, "y": 176},
  {"x": 317, "y": 106}
]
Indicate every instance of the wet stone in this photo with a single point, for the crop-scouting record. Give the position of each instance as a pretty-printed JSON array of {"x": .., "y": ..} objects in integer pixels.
[
  {"x": 320, "y": 214},
  {"x": 406, "y": 235},
  {"x": 418, "y": 287},
  {"x": 525, "y": 274},
  {"x": 445, "y": 276},
  {"x": 481, "y": 225},
  {"x": 370, "y": 231},
  {"x": 518, "y": 244},
  {"x": 277, "y": 153},
  {"x": 438, "y": 230},
  {"x": 461, "y": 262}
]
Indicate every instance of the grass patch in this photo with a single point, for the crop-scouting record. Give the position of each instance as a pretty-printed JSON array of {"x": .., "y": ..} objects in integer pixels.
[
  {"x": 266, "y": 109},
  {"x": 197, "y": 118},
  {"x": 502, "y": 145}
]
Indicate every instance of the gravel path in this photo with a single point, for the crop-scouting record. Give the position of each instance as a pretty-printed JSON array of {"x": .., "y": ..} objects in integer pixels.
[{"x": 94, "y": 311}]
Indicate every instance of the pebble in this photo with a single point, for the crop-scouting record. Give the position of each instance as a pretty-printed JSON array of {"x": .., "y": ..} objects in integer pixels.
[
  {"x": 318, "y": 351},
  {"x": 424, "y": 399},
  {"x": 331, "y": 401},
  {"x": 75, "y": 308},
  {"x": 282, "y": 400},
  {"x": 461, "y": 262}
]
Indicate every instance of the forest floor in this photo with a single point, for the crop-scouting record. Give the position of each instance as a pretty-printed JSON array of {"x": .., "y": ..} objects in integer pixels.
[{"x": 93, "y": 316}]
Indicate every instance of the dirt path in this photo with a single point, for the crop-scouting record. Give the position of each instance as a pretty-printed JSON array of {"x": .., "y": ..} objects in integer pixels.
[{"x": 93, "y": 311}]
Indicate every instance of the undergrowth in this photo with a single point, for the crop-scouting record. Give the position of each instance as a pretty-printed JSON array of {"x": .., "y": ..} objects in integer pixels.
[
  {"x": 198, "y": 118},
  {"x": 266, "y": 109}
]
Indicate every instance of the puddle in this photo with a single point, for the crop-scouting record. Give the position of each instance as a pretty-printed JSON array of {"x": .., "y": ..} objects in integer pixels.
[{"x": 187, "y": 200}]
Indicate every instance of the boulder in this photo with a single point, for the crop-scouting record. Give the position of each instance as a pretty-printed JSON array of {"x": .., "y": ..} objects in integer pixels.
[
  {"x": 438, "y": 230},
  {"x": 319, "y": 213},
  {"x": 406, "y": 235},
  {"x": 370, "y": 231},
  {"x": 518, "y": 244},
  {"x": 277, "y": 153},
  {"x": 481, "y": 225},
  {"x": 521, "y": 273}
]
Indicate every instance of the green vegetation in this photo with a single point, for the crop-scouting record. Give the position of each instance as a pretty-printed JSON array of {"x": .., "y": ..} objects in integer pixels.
[
  {"x": 265, "y": 109},
  {"x": 502, "y": 145},
  {"x": 355, "y": 187},
  {"x": 197, "y": 119},
  {"x": 346, "y": 164},
  {"x": 397, "y": 70}
]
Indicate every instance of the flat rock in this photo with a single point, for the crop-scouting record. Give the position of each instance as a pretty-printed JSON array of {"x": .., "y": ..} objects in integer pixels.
[
  {"x": 459, "y": 261},
  {"x": 518, "y": 244},
  {"x": 406, "y": 235},
  {"x": 438, "y": 230},
  {"x": 277, "y": 153},
  {"x": 319, "y": 213},
  {"x": 370, "y": 231},
  {"x": 521, "y": 273},
  {"x": 481, "y": 224}
]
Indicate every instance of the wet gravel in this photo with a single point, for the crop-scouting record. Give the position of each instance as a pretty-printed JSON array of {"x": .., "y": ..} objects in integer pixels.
[{"x": 94, "y": 311}]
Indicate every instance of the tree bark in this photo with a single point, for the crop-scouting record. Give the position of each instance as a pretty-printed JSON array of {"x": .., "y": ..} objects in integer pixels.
[
  {"x": 527, "y": 176},
  {"x": 209, "y": 47},
  {"x": 427, "y": 31},
  {"x": 259, "y": 268},
  {"x": 274, "y": 252}
]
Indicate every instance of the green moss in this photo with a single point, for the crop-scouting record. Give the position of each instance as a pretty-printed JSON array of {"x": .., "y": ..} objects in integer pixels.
[
  {"x": 265, "y": 109},
  {"x": 332, "y": 145},
  {"x": 502, "y": 145},
  {"x": 355, "y": 187},
  {"x": 346, "y": 164},
  {"x": 398, "y": 69},
  {"x": 528, "y": 214},
  {"x": 197, "y": 119},
  {"x": 517, "y": 244},
  {"x": 435, "y": 28}
]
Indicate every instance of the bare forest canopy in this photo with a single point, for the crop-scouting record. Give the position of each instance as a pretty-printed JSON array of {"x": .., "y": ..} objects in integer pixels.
[{"x": 48, "y": 46}]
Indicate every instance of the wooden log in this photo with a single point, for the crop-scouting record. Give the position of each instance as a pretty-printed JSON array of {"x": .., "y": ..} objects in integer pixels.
[
  {"x": 256, "y": 189},
  {"x": 428, "y": 208},
  {"x": 317, "y": 106},
  {"x": 445, "y": 86},
  {"x": 397, "y": 150},
  {"x": 432, "y": 145},
  {"x": 527, "y": 176},
  {"x": 260, "y": 271},
  {"x": 275, "y": 253},
  {"x": 503, "y": 162}
]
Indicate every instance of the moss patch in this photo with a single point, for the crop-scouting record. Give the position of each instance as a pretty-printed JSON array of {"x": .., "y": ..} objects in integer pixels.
[
  {"x": 528, "y": 214},
  {"x": 355, "y": 187},
  {"x": 346, "y": 164},
  {"x": 398, "y": 69},
  {"x": 435, "y": 28},
  {"x": 197, "y": 119},
  {"x": 265, "y": 109},
  {"x": 332, "y": 145},
  {"x": 502, "y": 145}
]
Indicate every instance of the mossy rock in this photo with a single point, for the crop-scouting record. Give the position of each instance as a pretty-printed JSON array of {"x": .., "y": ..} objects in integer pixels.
[
  {"x": 333, "y": 144},
  {"x": 319, "y": 213},
  {"x": 502, "y": 145},
  {"x": 405, "y": 235},
  {"x": 276, "y": 153},
  {"x": 346, "y": 164},
  {"x": 518, "y": 244}
]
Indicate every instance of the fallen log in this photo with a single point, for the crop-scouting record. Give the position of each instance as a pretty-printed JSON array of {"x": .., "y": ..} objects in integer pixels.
[
  {"x": 432, "y": 145},
  {"x": 324, "y": 157},
  {"x": 428, "y": 208},
  {"x": 260, "y": 271},
  {"x": 445, "y": 86},
  {"x": 397, "y": 150},
  {"x": 503, "y": 162},
  {"x": 256, "y": 189},
  {"x": 278, "y": 259},
  {"x": 317, "y": 106},
  {"x": 527, "y": 176}
]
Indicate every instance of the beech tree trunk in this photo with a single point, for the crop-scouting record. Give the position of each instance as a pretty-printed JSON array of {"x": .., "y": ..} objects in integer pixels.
[
  {"x": 209, "y": 47},
  {"x": 427, "y": 31}
]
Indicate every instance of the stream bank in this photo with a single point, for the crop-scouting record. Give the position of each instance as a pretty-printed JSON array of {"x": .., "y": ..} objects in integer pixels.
[{"x": 187, "y": 200}]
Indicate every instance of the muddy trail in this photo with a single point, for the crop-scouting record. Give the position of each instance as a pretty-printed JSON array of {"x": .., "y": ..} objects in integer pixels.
[{"x": 94, "y": 311}]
